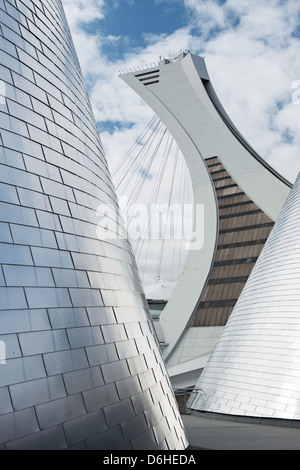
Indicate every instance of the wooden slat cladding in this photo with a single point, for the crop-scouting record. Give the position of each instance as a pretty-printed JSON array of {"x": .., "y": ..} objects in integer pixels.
[{"x": 243, "y": 231}]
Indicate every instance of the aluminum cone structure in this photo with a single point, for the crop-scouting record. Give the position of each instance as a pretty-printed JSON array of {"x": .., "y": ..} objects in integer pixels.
[
  {"x": 80, "y": 366},
  {"x": 254, "y": 368}
]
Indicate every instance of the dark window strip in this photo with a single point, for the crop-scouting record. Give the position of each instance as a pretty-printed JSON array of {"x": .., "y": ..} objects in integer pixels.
[
  {"x": 250, "y": 227},
  {"x": 151, "y": 83},
  {"x": 231, "y": 195},
  {"x": 241, "y": 244},
  {"x": 228, "y": 280},
  {"x": 217, "y": 172},
  {"x": 223, "y": 178},
  {"x": 241, "y": 214},
  {"x": 212, "y": 158},
  {"x": 227, "y": 187},
  {"x": 236, "y": 204},
  {"x": 217, "y": 303},
  {"x": 215, "y": 165},
  {"x": 148, "y": 78},
  {"x": 147, "y": 73},
  {"x": 232, "y": 262}
]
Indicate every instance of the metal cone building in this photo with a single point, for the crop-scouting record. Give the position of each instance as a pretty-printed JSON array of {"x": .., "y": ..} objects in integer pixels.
[
  {"x": 254, "y": 368},
  {"x": 80, "y": 366},
  {"x": 242, "y": 197}
]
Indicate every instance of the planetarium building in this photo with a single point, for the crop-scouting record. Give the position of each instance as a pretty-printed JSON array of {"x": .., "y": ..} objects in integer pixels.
[{"x": 80, "y": 365}]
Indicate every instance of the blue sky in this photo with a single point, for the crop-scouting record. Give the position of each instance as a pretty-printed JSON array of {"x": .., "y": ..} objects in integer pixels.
[{"x": 134, "y": 20}]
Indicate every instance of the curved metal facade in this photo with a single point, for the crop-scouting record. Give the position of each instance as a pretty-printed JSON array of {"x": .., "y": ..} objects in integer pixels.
[
  {"x": 254, "y": 368},
  {"x": 80, "y": 365}
]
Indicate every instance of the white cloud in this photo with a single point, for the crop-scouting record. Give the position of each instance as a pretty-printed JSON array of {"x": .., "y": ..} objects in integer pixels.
[
  {"x": 252, "y": 58},
  {"x": 251, "y": 54},
  {"x": 81, "y": 12},
  {"x": 208, "y": 14}
]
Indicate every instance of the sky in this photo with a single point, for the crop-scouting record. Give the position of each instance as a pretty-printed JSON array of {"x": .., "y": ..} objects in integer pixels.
[{"x": 251, "y": 48}]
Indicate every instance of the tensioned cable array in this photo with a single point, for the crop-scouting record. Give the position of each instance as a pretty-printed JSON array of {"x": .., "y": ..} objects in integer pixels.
[{"x": 152, "y": 178}]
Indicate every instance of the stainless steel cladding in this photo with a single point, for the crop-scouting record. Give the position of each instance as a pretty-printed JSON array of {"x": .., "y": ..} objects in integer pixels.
[
  {"x": 254, "y": 368},
  {"x": 80, "y": 365}
]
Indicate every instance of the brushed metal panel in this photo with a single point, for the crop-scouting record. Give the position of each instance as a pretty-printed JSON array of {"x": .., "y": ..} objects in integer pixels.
[
  {"x": 116, "y": 414},
  {"x": 51, "y": 258},
  {"x": 127, "y": 349},
  {"x": 65, "y": 361},
  {"x": 6, "y": 405},
  {"x": 100, "y": 397},
  {"x": 68, "y": 317},
  {"x": 33, "y": 236},
  {"x": 50, "y": 439},
  {"x": 12, "y": 298},
  {"x": 105, "y": 441},
  {"x": 102, "y": 354},
  {"x": 134, "y": 427},
  {"x": 43, "y": 341},
  {"x": 85, "y": 336},
  {"x": 58, "y": 411},
  {"x": 114, "y": 371},
  {"x": 23, "y": 145},
  {"x": 83, "y": 379},
  {"x": 5, "y": 235},
  {"x": 70, "y": 278},
  {"x": 84, "y": 427},
  {"x": 28, "y": 276},
  {"x": 116, "y": 333},
  {"x": 12, "y": 348},
  {"x": 8, "y": 193},
  {"x": 49, "y": 297},
  {"x": 85, "y": 297},
  {"x": 18, "y": 424},
  {"x": 25, "y": 395},
  {"x": 101, "y": 315},
  {"x": 17, "y": 214},
  {"x": 15, "y": 321},
  {"x": 33, "y": 199}
]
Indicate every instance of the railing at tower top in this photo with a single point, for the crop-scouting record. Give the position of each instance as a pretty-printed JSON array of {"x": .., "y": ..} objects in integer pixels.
[{"x": 162, "y": 61}]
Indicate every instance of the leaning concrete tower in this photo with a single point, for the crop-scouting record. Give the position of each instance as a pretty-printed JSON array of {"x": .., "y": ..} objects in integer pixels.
[
  {"x": 233, "y": 184},
  {"x": 80, "y": 367}
]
